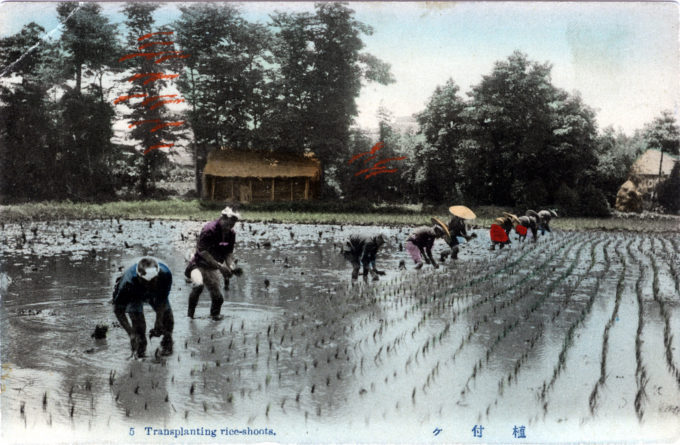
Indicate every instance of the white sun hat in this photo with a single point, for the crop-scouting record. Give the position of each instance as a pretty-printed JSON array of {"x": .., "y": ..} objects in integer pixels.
[
  {"x": 147, "y": 268},
  {"x": 229, "y": 213}
]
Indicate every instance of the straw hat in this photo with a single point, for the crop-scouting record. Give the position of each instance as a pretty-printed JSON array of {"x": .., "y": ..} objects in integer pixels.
[
  {"x": 462, "y": 212},
  {"x": 444, "y": 227},
  {"x": 513, "y": 218}
]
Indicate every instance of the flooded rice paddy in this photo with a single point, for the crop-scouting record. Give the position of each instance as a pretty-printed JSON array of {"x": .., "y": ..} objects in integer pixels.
[{"x": 572, "y": 338}]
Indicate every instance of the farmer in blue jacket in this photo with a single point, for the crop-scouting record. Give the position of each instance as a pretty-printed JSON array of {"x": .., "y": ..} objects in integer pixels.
[{"x": 147, "y": 281}]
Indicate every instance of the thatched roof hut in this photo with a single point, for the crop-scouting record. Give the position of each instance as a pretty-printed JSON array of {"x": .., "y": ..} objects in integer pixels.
[
  {"x": 648, "y": 164},
  {"x": 245, "y": 176},
  {"x": 645, "y": 170}
]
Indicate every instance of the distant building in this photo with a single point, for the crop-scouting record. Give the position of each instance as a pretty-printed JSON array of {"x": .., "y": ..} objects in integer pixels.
[
  {"x": 255, "y": 176},
  {"x": 645, "y": 171}
]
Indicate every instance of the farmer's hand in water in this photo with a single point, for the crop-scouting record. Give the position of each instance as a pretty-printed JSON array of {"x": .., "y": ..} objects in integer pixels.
[
  {"x": 155, "y": 332},
  {"x": 474, "y": 235},
  {"x": 379, "y": 272},
  {"x": 225, "y": 270}
]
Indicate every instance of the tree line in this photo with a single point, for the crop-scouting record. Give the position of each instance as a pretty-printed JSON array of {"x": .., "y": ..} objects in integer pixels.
[
  {"x": 291, "y": 85},
  {"x": 517, "y": 140}
]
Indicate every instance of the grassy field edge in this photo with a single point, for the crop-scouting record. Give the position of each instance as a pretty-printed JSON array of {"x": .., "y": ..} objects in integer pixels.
[{"x": 176, "y": 209}]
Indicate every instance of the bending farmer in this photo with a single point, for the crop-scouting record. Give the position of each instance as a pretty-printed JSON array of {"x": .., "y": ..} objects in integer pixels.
[
  {"x": 544, "y": 217},
  {"x": 457, "y": 228},
  {"x": 419, "y": 244},
  {"x": 500, "y": 229},
  {"x": 361, "y": 250},
  {"x": 147, "y": 281}
]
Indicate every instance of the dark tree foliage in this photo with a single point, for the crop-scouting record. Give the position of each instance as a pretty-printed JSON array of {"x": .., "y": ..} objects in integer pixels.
[
  {"x": 511, "y": 113},
  {"x": 88, "y": 50},
  {"x": 439, "y": 161},
  {"x": 352, "y": 187},
  {"x": 224, "y": 78},
  {"x": 516, "y": 142},
  {"x": 663, "y": 134},
  {"x": 371, "y": 186},
  {"x": 28, "y": 165},
  {"x": 292, "y": 85},
  {"x": 669, "y": 190},
  {"x": 321, "y": 69},
  {"x": 291, "y": 100},
  {"x": 88, "y": 41},
  {"x": 616, "y": 154},
  {"x": 86, "y": 149},
  {"x": 148, "y": 162}
]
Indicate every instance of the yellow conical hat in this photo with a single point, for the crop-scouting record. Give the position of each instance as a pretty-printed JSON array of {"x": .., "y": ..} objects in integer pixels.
[
  {"x": 513, "y": 218},
  {"x": 462, "y": 212},
  {"x": 439, "y": 222}
]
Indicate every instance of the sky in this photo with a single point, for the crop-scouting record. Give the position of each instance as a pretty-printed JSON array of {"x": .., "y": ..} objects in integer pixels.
[{"x": 622, "y": 58}]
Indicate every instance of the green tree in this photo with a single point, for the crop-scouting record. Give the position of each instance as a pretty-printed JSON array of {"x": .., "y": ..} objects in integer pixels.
[
  {"x": 28, "y": 147},
  {"x": 444, "y": 126},
  {"x": 88, "y": 50},
  {"x": 530, "y": 137},
  {"x": 321, "y": 69},
  {"x": 663, "y": 134},
  {"x": 616, "y": 153},
  {"x": 224, "y": 78},
  {"x": 511, "y": 112},
  {"x": 86, "y": 151},
  {"x": 149, "y": 162},
  {"x": 88, "y": 42},
  {"x": 669, "y": 190},
  {"x": 371, "y": 185},
  {"x": 291, "y": 100}
]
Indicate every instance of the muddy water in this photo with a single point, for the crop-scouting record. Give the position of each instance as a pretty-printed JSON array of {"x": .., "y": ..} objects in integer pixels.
[{"x": 498, "y": 339}]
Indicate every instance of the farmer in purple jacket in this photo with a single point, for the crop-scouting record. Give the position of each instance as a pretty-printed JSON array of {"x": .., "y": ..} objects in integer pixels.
[
  {"x": 213, "y": 257},
  {"x": 419, "y": 244}
]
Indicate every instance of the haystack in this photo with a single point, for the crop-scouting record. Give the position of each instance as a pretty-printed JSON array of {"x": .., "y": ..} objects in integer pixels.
[{"x": 628, "y": 199}]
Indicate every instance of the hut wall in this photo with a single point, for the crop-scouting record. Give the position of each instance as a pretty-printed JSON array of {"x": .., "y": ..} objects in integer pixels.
[
  {"x": 285, "y": 189},
  {"x": 261, "y": 189}
]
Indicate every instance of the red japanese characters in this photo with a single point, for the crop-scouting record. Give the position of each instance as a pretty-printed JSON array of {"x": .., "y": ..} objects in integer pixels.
[
  {"x": 377, "y": 168},
  {"x": 151, "y": 102}
]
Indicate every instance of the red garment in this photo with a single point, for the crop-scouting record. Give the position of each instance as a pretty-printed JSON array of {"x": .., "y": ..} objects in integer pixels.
[
  {"x": 498, "y": 234},
  {"x": 521, "y": 230}
]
